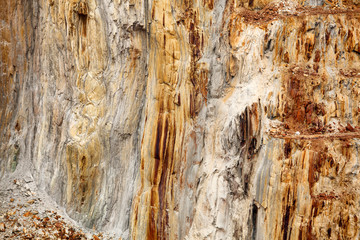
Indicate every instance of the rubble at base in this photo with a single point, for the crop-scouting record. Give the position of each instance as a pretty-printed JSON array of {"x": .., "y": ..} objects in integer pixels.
[{"x": 25, "y": 215}]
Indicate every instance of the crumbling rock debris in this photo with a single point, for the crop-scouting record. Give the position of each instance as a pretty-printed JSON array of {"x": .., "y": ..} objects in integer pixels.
[
  {"x": 22, "y": 220},
  {"x": 2, "y": 227}
]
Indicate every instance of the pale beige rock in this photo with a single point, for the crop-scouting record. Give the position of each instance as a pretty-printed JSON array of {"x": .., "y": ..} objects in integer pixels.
[{"x": 186, "y": 119}]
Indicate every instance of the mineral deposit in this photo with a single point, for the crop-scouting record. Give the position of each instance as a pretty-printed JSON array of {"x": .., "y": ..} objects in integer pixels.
[{"x": 186, "y": 119}]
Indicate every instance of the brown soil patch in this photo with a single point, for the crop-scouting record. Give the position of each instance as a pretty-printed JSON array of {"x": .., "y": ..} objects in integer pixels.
[{"x": 276, "y": 11}]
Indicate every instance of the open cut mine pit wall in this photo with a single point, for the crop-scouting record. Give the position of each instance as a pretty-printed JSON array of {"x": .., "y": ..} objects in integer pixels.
[{"x": 203, "y": 119}]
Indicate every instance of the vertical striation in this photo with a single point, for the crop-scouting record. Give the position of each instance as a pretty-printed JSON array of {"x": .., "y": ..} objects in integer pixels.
[{"x": 195, "y": 119}]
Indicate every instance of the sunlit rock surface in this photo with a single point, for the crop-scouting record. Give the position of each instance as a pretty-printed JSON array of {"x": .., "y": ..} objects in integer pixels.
[{"x": 203, "y": 119}]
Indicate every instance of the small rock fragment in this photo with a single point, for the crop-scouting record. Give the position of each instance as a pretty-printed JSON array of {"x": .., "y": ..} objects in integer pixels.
[
  {"x": 350, "y": 128},
  {"x": 2, "y": 227},
  {"x": 27, "y": 214},
  {"x": 16, "y": 229},
  {"x": 28, "y": 179},
  {"x": 28, "y": 236}
]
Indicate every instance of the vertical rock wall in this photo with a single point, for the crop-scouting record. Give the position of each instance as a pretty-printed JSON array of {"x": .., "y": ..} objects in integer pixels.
[{"x": 186, "y": 119}]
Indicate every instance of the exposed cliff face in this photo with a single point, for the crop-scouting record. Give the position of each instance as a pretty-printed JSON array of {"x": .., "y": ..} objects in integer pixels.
[{"x": 187, "y": 119}]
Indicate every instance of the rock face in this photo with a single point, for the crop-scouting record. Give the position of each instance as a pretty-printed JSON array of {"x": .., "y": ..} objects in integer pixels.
[{"x": 187, "y": 119}]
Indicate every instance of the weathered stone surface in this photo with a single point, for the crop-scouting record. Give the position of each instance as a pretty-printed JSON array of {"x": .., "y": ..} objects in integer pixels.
[{"x": 186, "y": 119}]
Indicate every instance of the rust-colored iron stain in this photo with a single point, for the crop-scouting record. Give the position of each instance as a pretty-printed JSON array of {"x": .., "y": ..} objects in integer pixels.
[
  {"x": 82, "y": 10},
  {"x": 152, "y": 228},
  {"x": 83, "y": 183},
  {"x": 198, "y": 77},
  {"x": 335, "y": 207},
  {"x": 345, "y": 135},
  {"x": 173, "y": 108},
  {"x": 351, "y": 73},
  {"x": 288, "y": 216},
  {"x": 17, "y": 126},
  {"x": 287, "y": 149},
  {"x": 163, "y": 219},
  {"x": 13, "y": 44},
  {"x": 271, "y": 12},
  {"x": 313, "y": 150},
  {"x": 83, "y": 23},
  {"x": 300, "y": 111},
  {"x": 158, "y": 141},
  {"x": 316, "y": 161},
  {"x": 209, "y": 4},
  {"x": 164, "y": 148},
  {"x": 297, "y": 108}
]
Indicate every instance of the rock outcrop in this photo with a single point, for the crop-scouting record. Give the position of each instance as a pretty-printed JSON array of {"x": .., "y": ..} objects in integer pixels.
[{"x": 205, "y": 119}]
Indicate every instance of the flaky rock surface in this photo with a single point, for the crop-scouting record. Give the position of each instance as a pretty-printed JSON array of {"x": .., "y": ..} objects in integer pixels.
[{"x": 202, "y": 119}]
